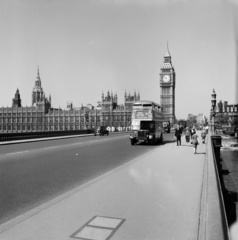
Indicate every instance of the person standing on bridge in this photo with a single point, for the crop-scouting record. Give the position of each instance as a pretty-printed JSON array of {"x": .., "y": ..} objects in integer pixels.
[
  {"x": 187, "y": 135},
  {"x": 195, "y": 139},
  {"x": 178, "y": 133}
]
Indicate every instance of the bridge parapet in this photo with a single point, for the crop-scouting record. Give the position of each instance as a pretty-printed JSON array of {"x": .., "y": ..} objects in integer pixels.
[{"x": 213, "y": 221}]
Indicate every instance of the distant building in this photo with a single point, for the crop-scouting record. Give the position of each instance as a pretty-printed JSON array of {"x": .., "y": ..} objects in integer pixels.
[
  {"x": 200, "y": 118},
  {"x": 42, "y": 117},
  {"x": 191, "y": 116},
  {"x": 225, "y": 109}
]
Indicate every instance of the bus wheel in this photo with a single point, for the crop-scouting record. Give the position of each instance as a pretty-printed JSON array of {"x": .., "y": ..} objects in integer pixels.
[{"x": 132, "y": 142}]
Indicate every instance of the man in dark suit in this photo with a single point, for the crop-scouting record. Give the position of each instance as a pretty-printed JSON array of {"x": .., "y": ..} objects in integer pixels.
[{"x": 178, "y": 134}]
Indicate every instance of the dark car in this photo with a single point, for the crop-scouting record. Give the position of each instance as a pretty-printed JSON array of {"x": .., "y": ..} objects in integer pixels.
[{"x": 101, "y": 131}]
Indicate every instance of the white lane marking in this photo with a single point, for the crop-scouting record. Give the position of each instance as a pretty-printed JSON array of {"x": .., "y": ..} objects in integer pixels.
[
  {"x": 52, "y": 147},
  {"x": 23, "y": 152},
  {"x": 16, "y": 153}
]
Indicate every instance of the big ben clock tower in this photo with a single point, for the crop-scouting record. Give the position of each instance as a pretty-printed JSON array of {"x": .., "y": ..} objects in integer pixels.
[{"x": 167, "y": 88}]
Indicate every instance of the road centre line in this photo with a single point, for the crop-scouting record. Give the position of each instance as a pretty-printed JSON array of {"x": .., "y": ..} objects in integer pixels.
[
  {"x": 16, "y": 153},
  {"x": 52, "y": 147},
  {"x": 23, "y": 152}
]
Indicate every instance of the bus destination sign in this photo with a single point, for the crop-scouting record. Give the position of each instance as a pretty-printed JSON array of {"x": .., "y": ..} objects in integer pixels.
[{"x": 142, "y": 114}]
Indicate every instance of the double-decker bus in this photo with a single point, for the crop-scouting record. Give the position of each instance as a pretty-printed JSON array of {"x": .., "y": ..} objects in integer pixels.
[{"x": 147, "y": 122}]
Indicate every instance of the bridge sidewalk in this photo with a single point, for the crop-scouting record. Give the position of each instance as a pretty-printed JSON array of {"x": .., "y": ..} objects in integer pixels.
[{"x": 155, "y": 196}]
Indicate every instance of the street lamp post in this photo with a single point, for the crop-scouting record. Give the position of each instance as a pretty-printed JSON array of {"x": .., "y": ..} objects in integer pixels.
[
  {"x": 211, "y": 120},
  {"x": 213, "y": 101}
]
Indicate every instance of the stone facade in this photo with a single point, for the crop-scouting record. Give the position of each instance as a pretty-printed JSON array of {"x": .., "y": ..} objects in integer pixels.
[
  {"x": 42, "y": 117},
  {"x": 167, "y": 88},
  {"x": 225, "y": 109}
]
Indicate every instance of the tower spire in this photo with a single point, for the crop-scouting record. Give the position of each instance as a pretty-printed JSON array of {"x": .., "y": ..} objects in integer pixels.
[
  {"x": 38, "y": 72},
  {"x": 167, "y": 54}
]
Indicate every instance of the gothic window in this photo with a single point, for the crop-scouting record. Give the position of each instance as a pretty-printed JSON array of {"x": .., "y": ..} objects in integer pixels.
[
  {"x": 166, "y": 101},
  {"x": 166, "y": 110},
  {"x": 165, "y": 91}
]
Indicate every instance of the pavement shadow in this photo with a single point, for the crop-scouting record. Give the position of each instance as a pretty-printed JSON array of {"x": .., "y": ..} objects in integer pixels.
[{"x": 156, "y": 144}]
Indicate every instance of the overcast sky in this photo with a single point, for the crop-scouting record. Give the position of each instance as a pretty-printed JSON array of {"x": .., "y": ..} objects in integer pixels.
[{"x": 85, "y": 47}]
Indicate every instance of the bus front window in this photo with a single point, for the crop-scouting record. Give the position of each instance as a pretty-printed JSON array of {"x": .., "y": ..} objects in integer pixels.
[{"x": 146, "y": 125}]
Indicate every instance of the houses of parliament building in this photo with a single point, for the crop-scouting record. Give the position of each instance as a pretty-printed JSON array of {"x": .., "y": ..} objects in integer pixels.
[{"x": 40, "y": 116}]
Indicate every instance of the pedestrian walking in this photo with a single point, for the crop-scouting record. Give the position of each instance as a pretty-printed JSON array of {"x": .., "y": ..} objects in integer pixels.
[
  {"x": 178, "y": 134},
  {"x": 192, "y": 132},
  {"x": 195, "y": 139},
  {"x": 203, "y": 135},
  {"x": 187, "y": 135}
]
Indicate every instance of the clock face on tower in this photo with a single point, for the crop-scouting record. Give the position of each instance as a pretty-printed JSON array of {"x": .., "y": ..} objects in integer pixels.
[{"x": 166, "y": 78}]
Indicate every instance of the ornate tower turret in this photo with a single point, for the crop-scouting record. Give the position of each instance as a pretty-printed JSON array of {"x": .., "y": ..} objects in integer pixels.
[
  {"x": 37, "y": 93},
  {"x": 16, "y": 101},
  {"x": 125, "y": 95}
]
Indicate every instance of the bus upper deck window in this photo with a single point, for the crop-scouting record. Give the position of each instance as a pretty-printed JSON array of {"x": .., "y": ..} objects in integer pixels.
[{"x": 137, "y": 105}]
